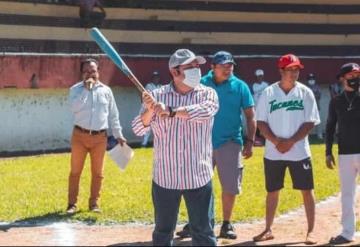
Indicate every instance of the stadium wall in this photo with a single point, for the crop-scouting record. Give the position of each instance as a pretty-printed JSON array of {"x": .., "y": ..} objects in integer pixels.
[{"x": 40, "y": 120}]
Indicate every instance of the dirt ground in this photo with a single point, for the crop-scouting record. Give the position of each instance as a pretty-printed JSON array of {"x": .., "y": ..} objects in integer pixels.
[{"x": 289, "y": 229}]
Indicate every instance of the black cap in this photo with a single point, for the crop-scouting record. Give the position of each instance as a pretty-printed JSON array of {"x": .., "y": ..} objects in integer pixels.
[
  {"x": 311, "y": 76},
  {"x": 347, "y": 68}
]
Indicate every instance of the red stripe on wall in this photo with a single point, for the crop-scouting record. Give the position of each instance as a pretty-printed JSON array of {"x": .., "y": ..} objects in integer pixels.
[{"x": 62, "y": 72}]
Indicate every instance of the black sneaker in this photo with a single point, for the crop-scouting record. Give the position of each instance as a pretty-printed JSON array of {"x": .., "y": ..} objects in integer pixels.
[
  {"x": 71, "y": 209},
  {"x": 185, "y": 232},
  {"x": 227, "y": 231}
]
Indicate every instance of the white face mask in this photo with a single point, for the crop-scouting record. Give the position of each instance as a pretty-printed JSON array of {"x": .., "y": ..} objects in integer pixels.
[
  {"x": 311, "y": 82},
  {"x": 192, "y": 77}
]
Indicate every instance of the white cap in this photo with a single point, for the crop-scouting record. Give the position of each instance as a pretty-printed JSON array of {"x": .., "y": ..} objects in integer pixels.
[
  {"x": 259, "y": 72},
  {"x": 184, "y": 56}
]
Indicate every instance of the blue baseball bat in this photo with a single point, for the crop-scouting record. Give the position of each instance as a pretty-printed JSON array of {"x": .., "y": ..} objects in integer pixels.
[{"x": 110, "y": 51}]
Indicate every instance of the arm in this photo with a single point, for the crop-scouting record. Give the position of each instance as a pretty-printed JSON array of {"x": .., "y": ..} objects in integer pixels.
[
  {"x": 202, "y": 111},
  {"x": 100, "y": 6},
  {"x": 114, "y": 120},
  {"x": 267, "y": 133},
  {"x": 251, "y": 129},
  {"x": 330, "y": 131},
  {"x": 141, "y": 123},
  {"x": 77, "y": 99}
]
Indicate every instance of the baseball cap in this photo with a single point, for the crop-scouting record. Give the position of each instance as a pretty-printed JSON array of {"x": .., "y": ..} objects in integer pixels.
[
  {"x": 289, "y": 60},
  {"x": 184, "y": 56},
  {"x": 259, "y": 72},
  {"x": 223, "y": 57},
  {"x": 347, "y": 68},
  {"x": 310, "y": 76}
]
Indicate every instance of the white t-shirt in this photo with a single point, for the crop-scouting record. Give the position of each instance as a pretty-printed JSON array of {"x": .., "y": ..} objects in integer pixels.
[
  {"x": 285, "y": 113},
  {"x": 257, "y": 89},
  {"x": 152, "y": 86}
]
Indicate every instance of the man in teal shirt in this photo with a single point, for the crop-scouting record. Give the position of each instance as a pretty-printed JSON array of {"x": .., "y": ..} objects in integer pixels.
[{"x": 228, "y": 142}]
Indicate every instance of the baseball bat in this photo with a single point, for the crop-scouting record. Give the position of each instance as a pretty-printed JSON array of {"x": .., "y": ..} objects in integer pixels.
[{"x": 110, "y": 51}]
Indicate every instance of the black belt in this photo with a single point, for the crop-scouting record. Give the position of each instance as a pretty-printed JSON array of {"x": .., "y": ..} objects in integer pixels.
[{"x": 90, "y": 132}]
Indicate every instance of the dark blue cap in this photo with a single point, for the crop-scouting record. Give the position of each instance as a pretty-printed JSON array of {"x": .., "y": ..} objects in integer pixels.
[{"x": 223, "y": 57}]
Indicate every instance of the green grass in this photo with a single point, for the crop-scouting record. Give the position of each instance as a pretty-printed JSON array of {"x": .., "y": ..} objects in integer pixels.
[{"x": 35, "y": 189}]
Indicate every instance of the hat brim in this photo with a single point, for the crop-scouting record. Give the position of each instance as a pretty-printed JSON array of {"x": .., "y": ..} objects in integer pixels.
[
  {"x": 293, "y": 65},
  {"x": 342, "y": 74},
  {"x": 199, "y": 59},
  {"x": 227, "y": 61}
]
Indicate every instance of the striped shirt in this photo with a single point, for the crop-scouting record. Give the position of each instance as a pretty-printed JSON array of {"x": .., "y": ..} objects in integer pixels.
[{"x": 182, "y": 148}]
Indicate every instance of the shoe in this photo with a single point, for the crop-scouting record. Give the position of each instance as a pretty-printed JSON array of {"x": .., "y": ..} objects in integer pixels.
[
  {"x": 264, "y": 236},
  {"x": 185, "y": 232},
  {"x": 227, "y": 231},
  {"x": 95, "y": 209},
  {"x": 71, "y": 209},
  {"x": 310, "y": 239},
  {"x": 339, "y": 240}
]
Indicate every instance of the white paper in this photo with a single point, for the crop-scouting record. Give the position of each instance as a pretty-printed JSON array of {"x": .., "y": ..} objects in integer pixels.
[{"x": 121, "y": 155}]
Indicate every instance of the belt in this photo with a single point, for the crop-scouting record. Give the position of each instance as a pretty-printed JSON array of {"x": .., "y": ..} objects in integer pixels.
[{"x": 90, "y": 132}]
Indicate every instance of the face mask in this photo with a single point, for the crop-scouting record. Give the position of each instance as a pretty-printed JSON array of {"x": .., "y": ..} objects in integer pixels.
[
  {"x": 354, "y": 83},
  {"x": 311, "y": 82},
  {"x": 192, "y": 77}
]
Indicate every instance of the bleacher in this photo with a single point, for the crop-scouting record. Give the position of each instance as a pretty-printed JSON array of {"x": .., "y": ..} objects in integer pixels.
[{"x": 273, "y": 27}]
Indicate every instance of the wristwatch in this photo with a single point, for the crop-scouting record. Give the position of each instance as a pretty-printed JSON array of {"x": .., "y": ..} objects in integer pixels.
[{"x": 172, "y": 112}]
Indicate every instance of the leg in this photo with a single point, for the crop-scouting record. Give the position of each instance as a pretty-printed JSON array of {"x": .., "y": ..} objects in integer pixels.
[
  {"x": 166, "y": 206},
  {"x": 228, "y": 163},
  {"x": 200, "y": 206},
  {"x": 272, "y": 200},
  {"x": 347, "y": 173},
  {"x": 97, "y": 153},
  {"x": 309, "y": 203},
  {"x": 274, "y": 180},
  {"x": 78, "y": 156},
  {"x": 302, "y": 178}
]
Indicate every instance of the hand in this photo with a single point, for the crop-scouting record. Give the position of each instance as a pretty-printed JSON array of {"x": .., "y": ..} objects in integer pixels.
[
  {"x": 247, "y": 151},
  {"x": 148, "y": 101},
  {"x": 89, "y": 83},
  {"x": 284, "y": 145},
  {"x": 161, "y": 110},
  {"x": 330, "y": 162},
  {"x": 121, "y": 141}
]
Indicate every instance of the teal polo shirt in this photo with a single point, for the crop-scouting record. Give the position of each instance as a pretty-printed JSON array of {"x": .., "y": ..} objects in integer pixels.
[{"x": 234, "y": 95}]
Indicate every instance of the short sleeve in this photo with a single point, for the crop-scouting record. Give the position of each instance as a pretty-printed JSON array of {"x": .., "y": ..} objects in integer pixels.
[
  {"x": 262, "y": 108},
  {"x": 311, "y": 108}
]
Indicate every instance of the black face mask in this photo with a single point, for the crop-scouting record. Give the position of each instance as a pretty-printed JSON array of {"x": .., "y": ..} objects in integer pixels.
[{"x": 354, "y": 83}]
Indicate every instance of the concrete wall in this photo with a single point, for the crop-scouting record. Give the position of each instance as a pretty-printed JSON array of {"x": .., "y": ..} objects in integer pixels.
[{"x": 39, "y": 119}]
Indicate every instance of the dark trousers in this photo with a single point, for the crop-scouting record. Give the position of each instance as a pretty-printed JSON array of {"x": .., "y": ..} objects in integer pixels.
[{"x": 200, "y": 206}]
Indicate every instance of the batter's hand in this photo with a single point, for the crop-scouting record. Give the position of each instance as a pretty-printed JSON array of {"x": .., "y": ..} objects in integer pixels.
[
  {"x": 161, "y": 110},
  {"x": 330, "y": 162},
  {"x": 148, "y": 100}
]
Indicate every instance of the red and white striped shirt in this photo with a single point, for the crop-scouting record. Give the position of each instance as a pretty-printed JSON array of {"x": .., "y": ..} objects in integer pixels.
[{"x": 182, "y": 148}]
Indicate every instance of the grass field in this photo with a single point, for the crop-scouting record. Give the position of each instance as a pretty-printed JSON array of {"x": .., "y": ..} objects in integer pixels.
[{"x": 35, "y": 189}]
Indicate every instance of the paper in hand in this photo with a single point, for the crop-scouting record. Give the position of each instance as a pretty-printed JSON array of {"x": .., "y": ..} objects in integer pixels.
[{"x": 121, "y": 155}]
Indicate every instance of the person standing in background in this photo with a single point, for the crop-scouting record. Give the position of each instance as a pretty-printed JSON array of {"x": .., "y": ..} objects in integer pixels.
[
  {"x": 94, "y": 109},
  {"x": 315, "y": 88}
]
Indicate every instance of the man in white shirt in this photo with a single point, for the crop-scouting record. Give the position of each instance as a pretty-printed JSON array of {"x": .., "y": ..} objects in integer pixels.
[
  {"x": 259, "y": 85},
  {"x": 286, "y": 113}
]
